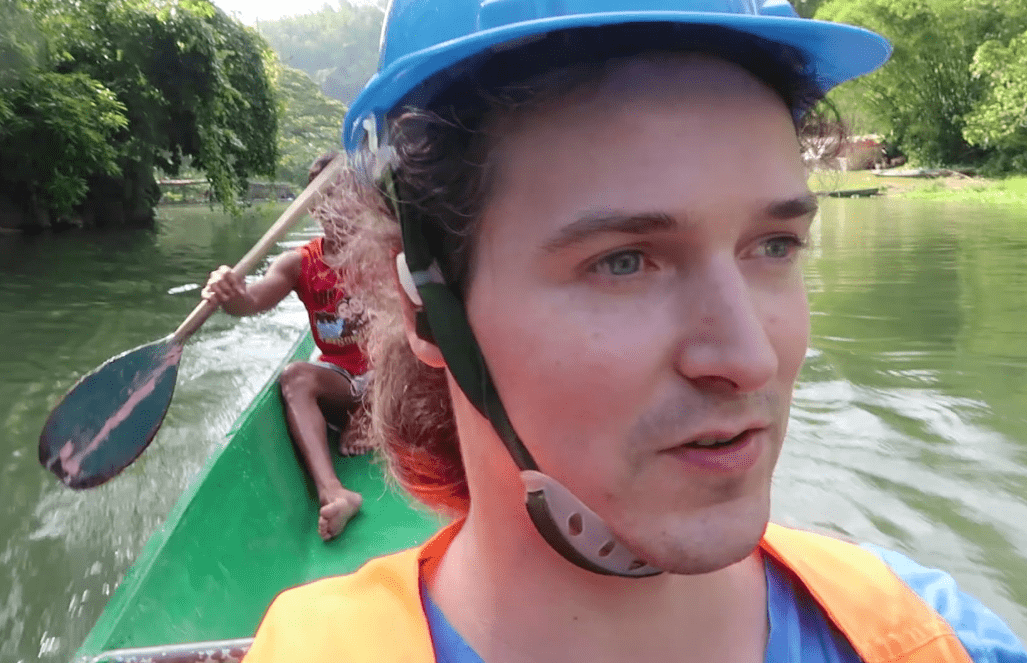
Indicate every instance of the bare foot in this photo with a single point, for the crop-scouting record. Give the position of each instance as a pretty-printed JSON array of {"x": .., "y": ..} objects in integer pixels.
[{"x": 336, "y": 512}]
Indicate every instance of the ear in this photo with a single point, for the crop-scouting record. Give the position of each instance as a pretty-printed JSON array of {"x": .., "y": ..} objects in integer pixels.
[{"x": 423, "y": 348}]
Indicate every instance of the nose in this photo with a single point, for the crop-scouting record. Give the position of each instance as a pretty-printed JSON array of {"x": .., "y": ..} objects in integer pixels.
[{"x": 725, "y": 346}]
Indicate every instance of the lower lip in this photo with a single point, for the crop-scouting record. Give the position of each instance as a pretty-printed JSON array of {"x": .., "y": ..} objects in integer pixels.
[{"x": 733, "y": 458}]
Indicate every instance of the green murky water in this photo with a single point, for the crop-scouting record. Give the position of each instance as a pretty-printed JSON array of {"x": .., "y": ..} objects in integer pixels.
[{"x": 909, "y": 427}]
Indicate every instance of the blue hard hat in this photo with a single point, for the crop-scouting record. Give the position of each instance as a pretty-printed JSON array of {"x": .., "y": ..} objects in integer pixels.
[{"x": 421, "y": 38}]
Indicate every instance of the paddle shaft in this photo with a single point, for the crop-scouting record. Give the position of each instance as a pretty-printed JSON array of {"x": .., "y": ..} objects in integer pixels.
[{"x": 293, "y": 213}]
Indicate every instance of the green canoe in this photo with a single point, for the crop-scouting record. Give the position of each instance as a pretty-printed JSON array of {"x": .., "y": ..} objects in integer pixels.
[{"x": 243, "y": 531}]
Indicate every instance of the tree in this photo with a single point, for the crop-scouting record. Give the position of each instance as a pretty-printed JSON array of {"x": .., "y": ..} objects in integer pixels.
[
  {"x": 189, "y": 82},
  {"x": 922, "y": 97},
  {"x": 806, "y": 8},
  {"x": 22, "y": 48},
  {"x": 56, "y": 129},
  {"x": 336, "y": 46},
  {"x": 999, "y": 120},
  {"x": 58, "y": 137},
  {"x": 311, "y": 124}
]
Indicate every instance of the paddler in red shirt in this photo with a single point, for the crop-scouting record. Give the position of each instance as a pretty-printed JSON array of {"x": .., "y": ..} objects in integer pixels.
[{"x": 317, "y": 392}]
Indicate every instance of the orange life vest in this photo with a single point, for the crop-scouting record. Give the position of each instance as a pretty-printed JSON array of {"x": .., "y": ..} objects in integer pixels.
[{"x": 375, "y": 615}]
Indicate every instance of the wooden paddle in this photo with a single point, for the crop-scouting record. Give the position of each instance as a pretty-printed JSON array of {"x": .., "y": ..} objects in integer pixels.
[{"x": 110, "y": 416}]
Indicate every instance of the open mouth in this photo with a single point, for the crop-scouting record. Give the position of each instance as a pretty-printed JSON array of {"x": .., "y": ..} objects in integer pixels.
[
  {"x": 722, "y": 454},
  {"x": 717, "y": 443}
]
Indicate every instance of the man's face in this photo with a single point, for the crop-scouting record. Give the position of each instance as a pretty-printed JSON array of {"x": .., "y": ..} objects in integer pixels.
[{"x": 636, "y": 291}]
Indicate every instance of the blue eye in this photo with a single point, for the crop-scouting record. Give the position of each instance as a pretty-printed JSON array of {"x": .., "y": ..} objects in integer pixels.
[
  {"x": 781, "y": 247},
  {"x": 623, "y": 263}
]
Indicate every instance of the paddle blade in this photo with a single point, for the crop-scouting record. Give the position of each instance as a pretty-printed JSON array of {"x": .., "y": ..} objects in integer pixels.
[{"x": 110, "y": 416}]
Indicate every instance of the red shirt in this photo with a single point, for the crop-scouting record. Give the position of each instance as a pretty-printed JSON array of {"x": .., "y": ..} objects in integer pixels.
[{"x": 336, "y": 321}]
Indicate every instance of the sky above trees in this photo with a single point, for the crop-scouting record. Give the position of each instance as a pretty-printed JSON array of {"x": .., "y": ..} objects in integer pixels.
[{"x": 250, "y": 11}]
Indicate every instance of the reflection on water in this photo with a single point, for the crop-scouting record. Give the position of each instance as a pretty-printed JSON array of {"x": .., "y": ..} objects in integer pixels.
[{"x": 908, "y": 428}]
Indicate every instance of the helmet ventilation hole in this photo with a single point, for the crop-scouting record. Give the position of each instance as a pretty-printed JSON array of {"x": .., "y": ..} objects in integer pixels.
[
  {"x": 574, "y": 524},
  {"x": 607, "y": 548}
]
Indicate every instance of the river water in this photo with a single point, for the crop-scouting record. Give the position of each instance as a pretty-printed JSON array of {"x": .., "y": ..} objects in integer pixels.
[{"x": 909, "y": 427}]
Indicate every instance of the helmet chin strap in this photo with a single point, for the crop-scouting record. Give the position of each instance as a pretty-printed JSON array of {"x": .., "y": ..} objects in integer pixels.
[
  {"x": 572, "y": 529},
  {"x": 576, "y": 532}
]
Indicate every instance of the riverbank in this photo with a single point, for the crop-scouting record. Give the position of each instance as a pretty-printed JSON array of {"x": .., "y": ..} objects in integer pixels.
[{"x": 960, "y": 188}]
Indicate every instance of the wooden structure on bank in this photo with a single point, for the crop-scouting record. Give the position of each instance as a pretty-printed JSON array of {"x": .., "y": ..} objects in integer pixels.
[{"x": 180, "y": 192}]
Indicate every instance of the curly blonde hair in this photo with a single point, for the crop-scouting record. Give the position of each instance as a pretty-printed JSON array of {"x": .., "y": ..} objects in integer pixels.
[{"x": 408, "y": 418}]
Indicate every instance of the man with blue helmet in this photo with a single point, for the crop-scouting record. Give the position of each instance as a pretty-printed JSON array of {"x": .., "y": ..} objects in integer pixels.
[{"x": 588, "y": 316}]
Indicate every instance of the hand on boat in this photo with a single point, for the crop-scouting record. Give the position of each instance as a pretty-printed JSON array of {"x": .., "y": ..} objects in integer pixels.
[{"x": 224, "y": 286}]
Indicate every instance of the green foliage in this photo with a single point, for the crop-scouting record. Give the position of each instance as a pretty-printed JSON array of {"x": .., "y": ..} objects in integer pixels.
[
  {"x": 336, "y": 46},
  {"x": 311, "y": 124},
  {"x": 807, "y": 8},
  {"x": 190, "y": 84},
  {"x": 999, "y": 120},
  {"x": 60, "y": 135},
  {"x": 22, "y": 48},
  {"x": 922, "y": 99}
]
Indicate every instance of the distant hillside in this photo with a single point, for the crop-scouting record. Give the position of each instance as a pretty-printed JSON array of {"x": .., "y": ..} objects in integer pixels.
[{"x": 336, "y": 46}]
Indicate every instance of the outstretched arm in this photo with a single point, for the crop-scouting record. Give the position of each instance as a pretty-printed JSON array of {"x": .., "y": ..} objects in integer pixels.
[{"x": 236, "y": 298}]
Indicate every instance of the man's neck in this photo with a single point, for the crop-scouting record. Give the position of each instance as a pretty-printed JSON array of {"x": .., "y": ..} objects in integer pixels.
[{"x": 514, "y": 599}]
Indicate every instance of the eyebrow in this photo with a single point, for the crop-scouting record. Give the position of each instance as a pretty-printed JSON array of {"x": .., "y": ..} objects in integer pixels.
[
  {"x": 794, "y": 208},
  {"x": 591, "y": 224},
  {"x": 596, "y": 223}
]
